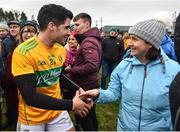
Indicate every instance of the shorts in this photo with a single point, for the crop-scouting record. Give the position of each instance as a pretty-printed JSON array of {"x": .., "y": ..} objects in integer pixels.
[{"x": 61, "y": 123}]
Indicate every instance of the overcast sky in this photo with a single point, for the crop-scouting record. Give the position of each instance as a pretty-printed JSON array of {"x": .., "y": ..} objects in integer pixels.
[{"x": 113, "y": 12}]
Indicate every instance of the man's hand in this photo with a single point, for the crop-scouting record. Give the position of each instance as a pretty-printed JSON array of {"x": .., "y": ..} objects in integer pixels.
[
  {"x": 67, "y": 69},
  {"x": 80, "y": 107},
  {"x": 89, "y": 94},
  {"x": 87, "y": 100}
]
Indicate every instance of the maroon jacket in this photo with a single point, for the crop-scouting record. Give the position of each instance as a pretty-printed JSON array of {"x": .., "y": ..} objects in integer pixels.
[
  {"x": 88, "y": 60},
  {"x": 9, "y": 85}
]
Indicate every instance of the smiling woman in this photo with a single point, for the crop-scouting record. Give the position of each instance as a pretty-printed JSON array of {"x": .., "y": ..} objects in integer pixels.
[
  {"x": 28, "y": 29},
  {"x": 139, "y": 81}
]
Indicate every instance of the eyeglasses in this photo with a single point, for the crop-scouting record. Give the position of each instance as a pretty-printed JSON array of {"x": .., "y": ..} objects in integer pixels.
[
  {"x": 29, "y": 31},
  {"x": 13, "y": 27}
]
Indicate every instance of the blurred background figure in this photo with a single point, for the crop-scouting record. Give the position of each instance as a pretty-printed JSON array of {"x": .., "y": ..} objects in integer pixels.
[
  {"x": 167, "y": 44},
  {"x": 174, "y": 93},
  {"x": 71, "y": 50},
  {"x": 28, "y": 29},
  {"x": 102, "y": 33},
  {"x": 11, "y": 40},
  {"x": 112, "y": 53},
  {"x": 177, "y": 38},
  {"x": 125, "y": 40},
  {"x": 4, "y": 30}
]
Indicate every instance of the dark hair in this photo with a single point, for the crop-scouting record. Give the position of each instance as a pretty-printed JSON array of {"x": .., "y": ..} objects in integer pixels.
[
  {"x": 83, "y": 16},
  {"x": 153, "y": 54},
  {"x": 52, "y": 13}
]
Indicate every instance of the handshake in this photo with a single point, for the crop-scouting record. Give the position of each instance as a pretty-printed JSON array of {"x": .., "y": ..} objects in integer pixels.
[{"x": 83, "y": 101}]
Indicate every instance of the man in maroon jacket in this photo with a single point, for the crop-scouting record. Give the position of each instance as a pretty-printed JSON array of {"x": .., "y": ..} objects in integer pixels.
[{"x": 88, "y": 60}]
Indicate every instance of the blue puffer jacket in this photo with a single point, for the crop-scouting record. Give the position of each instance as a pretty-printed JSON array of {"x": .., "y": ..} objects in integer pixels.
[
  {"x": 143, "y": 92},
  {"x": 168, "y": 47}
]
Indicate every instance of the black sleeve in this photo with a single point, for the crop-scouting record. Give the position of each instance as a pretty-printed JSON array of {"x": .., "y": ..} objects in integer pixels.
[
  {"x": 177, "y": 39},
  {"x": 174, "y": 96},
  {"x": 121, "y": 49},
  {"x": 27, "y": 87},
  {"x": 102, "y": 44}
]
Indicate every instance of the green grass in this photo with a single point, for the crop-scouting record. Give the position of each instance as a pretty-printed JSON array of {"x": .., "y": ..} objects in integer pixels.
[
  {"x": 107, "y": 116},
  {"x": 107, "y": 113}
]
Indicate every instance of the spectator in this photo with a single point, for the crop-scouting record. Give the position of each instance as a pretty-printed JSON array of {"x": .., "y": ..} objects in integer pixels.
[
  {"x": 4, "y": 30},
  {"x": 167, "y": 44},
  {"x": 177, "y": 38},
  {"x": 10, "y": 42},
  {"x": 175, "y": 86},
  {"x": 141, "y": 83},
  {"x": 1, "y": 91},
  {"x": 28, "y": 30},
  {"x": 125, "y": 40},
  {"x": 86, "y": 67},
  {"x": 112, "y": 52},
  {"x": 174, "y": 96},
  {"x": 71, "y": 52},
  {"x": 7, "y": 45}
]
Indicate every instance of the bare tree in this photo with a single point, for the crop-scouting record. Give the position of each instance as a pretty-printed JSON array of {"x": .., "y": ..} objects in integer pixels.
[{"x": 17, "y": 14}]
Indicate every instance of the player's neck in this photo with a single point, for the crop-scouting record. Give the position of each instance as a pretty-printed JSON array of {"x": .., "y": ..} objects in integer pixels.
[{"x": 45, "y": 39}]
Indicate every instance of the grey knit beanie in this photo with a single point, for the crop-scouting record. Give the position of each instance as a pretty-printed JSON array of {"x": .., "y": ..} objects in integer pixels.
[
  {"x": 151, "y": 31},
  {"x": 4, "y": 26}
]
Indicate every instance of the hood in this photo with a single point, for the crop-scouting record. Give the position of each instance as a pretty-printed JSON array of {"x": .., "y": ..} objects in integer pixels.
[
  {"x": 92, "y": 32},
  {"x": 167, "y": 40},
  {"x": 135, "y": 62}
]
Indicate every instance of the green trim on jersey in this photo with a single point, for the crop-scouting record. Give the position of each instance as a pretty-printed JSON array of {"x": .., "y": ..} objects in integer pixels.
[
  {"x": 28, "y": 46},
  {"x": 60, "y": 45},
  {"x": 48, "y": 78}
]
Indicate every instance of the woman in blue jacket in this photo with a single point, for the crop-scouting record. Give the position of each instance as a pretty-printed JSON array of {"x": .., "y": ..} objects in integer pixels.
[{"x": 141, "y": 82}]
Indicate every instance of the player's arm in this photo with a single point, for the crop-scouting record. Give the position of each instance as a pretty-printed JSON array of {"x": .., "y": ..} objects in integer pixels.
[{"x": 27, "y": 86}]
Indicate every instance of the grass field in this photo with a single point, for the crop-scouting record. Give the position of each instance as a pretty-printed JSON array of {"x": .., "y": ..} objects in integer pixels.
[
  {"x": 107, "y": 116},
  {"x": 107, "y": 113}
]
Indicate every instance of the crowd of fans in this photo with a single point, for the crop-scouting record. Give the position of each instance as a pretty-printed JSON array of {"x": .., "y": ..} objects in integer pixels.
[{"x": 142, "y": 64}]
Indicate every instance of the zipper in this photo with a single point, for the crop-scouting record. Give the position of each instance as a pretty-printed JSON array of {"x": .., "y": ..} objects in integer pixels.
[{"x": 145, "y": 75}]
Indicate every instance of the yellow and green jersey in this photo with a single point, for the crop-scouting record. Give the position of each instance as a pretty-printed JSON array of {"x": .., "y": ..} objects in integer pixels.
[{"x": 32, "y": 56}]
